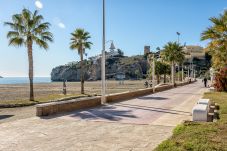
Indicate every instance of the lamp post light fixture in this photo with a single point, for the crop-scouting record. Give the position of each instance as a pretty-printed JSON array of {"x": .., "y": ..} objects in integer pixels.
[{"x": 178, "y": 37}]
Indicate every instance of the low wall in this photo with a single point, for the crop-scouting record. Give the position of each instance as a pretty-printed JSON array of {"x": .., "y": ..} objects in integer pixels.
[
  {"x": 71, "y": 105},
  {"x": 128, "y": 95},
  {"x": 66, "y": 106}
]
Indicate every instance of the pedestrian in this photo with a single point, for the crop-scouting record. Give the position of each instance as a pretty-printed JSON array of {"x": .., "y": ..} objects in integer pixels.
[
  {"x": 64, "y": 87},
  {"x": 205, "y": 82},
  {"x": 146, "y": 84}
]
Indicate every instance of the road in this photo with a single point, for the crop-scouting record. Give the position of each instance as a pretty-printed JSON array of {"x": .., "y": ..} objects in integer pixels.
[{"x": 137, "y": 124}]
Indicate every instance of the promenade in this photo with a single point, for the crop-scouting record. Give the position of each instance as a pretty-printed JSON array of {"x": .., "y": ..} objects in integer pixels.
[{"x": 138, "y": 124}]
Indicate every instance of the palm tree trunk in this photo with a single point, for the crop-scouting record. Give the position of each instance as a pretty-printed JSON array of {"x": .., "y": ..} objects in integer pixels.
[
  {"x": 158, "y": 78},
  {"x": 165, "y": 78},
  {"x": 30, "y": 74},
  {"x": 81, "y": 72},
  {"x": 173, "y": 73}
]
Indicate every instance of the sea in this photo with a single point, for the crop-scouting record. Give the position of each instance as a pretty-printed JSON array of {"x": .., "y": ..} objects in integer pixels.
[{"x": 23, "y": 80}]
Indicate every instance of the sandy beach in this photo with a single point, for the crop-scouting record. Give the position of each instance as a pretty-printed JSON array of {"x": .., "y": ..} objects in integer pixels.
[{"x": 21, "y": 91}]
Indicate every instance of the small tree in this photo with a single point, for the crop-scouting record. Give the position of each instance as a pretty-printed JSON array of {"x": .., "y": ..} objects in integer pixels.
[{"x": 161, "y": 68}]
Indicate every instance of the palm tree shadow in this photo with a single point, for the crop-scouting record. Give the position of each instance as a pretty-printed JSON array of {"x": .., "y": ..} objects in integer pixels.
[
  {"x": 104, "y": 112},
  {"x": 107, "y": 112}
]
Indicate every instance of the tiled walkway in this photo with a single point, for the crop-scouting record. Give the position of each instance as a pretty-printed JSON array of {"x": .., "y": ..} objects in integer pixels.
[
  {"x": 143, "y": 110},
  {"x": 137, "y": 124}
]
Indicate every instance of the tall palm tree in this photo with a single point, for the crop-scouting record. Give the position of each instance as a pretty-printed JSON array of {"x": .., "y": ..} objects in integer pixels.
[
  {"x": 28, "y": 28},
  {"x": 217, "y": 34},
  {"x": 80, "y": 42},
  {"x": 173, "y": 53}
]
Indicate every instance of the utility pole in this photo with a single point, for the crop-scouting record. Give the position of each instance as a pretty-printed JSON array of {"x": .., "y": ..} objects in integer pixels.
[{"x": 103, "y": 98}]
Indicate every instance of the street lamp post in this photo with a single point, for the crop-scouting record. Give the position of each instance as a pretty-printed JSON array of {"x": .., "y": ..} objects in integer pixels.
[
  {"x": 103, "y": 98},
  {"x": 153, "y": 73}
]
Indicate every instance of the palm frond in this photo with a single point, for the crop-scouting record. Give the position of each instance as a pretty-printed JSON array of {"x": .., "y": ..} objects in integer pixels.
[
  {"x": 79, "y": 40},
  {"x": 41, "y": 43},
  {"x": 12, "y": 34},
  {"x": 27, "y": 27},
  {"x": 16, "y": 41}
]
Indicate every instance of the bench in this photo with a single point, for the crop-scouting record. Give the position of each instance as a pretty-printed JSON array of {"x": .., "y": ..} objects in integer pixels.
[
  {"x": 212, "y": 89},
  {"x": 200, "y": 112},
  {"x": 204, "y": 101}
]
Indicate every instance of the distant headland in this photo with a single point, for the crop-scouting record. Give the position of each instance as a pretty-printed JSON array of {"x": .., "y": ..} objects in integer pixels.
[{"x": 1, "y": 77}]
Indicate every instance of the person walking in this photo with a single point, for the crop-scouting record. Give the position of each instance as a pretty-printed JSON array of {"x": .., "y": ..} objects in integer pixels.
[{"x": 205, "y": 82}]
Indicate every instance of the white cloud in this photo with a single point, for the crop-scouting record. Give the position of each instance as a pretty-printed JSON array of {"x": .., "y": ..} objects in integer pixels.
[
  {"x": 38, "y": 4},
  {"x": 61, "y": 25}
]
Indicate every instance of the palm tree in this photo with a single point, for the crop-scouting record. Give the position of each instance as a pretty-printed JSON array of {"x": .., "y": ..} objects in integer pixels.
[
  {"x": 217, "y": 34},
  {"x": 173, "y": 53},
  {"x": 80, "y": 42},
  {"x": 28, "y": 28}
]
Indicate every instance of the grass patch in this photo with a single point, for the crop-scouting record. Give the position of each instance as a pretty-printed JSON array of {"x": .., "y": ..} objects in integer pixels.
[
  {"x": 201, "y": 136},
  {"x": 49, "y": 98}
]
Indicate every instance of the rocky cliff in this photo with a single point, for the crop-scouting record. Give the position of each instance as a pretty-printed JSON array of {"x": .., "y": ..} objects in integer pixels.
[{"x": 133, "y": 67}]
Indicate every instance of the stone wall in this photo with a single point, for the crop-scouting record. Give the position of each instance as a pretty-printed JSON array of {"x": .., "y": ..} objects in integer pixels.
[{"x": 66, "y": 106}]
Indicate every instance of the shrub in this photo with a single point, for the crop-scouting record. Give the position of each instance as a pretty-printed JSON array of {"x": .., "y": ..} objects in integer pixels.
[{"x": 221, "y": 80}]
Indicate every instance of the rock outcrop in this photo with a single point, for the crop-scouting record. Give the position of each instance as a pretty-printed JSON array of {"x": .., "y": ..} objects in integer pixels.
[{"x": 133, "y": 67}]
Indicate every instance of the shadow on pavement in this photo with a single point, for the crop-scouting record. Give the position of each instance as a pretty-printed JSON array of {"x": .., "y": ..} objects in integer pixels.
[
  {"x": 154, "y": 109},
  {"x": 152, "y": 98},
  {"x": 2, "y": 117},
  {"x": 107, "y": 112},
  {"x": 181, "y": 93}
]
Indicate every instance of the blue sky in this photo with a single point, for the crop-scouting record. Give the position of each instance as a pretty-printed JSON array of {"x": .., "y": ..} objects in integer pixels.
[{"x": 130, "y": 23}]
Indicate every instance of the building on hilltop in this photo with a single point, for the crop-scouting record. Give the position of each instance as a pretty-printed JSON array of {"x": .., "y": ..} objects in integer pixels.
[
  {"x": 111, "y": 53},
  {"x": 193, "y": 51},
  {"x": 147, "y": 50}
]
